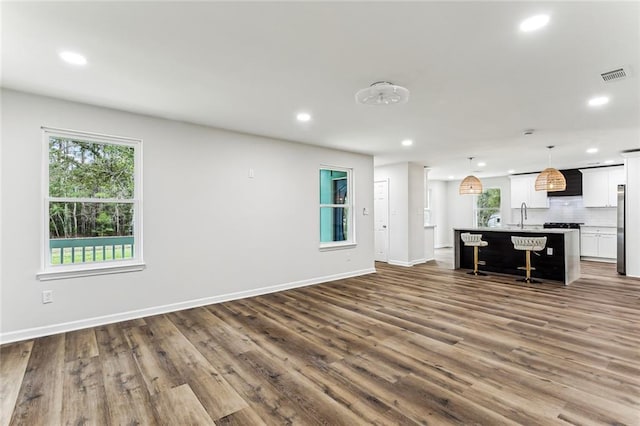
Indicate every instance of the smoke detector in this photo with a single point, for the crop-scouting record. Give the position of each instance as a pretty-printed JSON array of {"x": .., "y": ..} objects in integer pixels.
[{"x": 527, "y": 132}]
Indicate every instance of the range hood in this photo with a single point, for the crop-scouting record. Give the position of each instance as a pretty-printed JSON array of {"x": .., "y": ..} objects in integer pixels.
[{"x": 574, "y": 184}]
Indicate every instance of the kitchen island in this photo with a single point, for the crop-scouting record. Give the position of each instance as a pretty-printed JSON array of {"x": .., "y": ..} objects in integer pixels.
[{"x": 559, "y": 261}]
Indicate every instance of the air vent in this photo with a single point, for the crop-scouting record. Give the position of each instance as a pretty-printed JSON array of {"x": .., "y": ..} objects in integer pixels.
[{"x": 614, "y": 75}]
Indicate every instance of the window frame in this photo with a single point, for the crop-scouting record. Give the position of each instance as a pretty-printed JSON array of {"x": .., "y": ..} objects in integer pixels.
[
  {"x": 49, "y": 271},
  {"x": 350, "y": 205},
  {"x": 476, "y": 210}
]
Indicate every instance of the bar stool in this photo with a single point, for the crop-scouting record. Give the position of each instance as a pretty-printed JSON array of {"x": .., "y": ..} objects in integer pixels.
[
  {"x": 528, "y": 244},
  {"x": 475, "y": 241}
]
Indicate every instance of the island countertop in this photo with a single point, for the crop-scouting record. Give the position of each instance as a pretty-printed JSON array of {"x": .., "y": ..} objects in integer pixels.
[
  {"x": 515, "y": 231},
  {"x": 558, "y": 261}
]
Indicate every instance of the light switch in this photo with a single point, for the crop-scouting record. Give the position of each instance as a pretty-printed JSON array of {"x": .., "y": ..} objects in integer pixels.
[{"x": 549, "y": 251}]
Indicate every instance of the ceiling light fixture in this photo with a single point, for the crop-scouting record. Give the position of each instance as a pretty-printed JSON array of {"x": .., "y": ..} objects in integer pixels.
[
  {"x": 598, "y": 101},
  {"x": 592, "y": 150},
  {"x": 450, "y": 177},
  {"x": 511, "y": 171},
  {"x": 608, "y": 161},
  {"x": 550, "y": 179},
  {"x": 382, "y": 93},
  {"x": 482, "y": 164},
  {"x": 73, "y": 58},
  {"x": 534, "y": 23},
  {"x": 470, "y": 185},
  {"x": 303, "y": 116},
  {"x": 407, "y": 142}
]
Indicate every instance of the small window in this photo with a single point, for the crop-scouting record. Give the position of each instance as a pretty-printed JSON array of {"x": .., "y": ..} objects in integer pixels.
[
  {"x": 92, "y": 203},
  {"x": 487, "y": 211},
  {"x": 336, "y": 207}
]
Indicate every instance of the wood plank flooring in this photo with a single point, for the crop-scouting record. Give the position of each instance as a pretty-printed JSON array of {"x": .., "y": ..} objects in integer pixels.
[{"x": 420, "y": 345}]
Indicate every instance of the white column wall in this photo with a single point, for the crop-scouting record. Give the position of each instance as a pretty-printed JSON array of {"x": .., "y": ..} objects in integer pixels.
[
  {"x": 632, "y": 205},
  {"x": 416, "y": 182}
]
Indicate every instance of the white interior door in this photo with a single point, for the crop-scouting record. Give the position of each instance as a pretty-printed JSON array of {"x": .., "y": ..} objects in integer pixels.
[{"x": 381, "y": 219}]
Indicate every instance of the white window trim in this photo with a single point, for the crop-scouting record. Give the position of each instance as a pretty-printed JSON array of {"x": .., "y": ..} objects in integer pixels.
[
  {"x": 53, "y": 272},
  {"x": 351, "y": 220},
  {"x": 476, "y": 209}
]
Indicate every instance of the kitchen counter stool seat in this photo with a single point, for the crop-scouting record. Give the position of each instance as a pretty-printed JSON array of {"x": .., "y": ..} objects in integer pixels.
[
  {"x": 475, "y": 241},
  {"x": 528, "y": 244}
]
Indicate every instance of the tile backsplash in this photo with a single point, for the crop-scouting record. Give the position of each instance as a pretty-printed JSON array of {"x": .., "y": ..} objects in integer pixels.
[{"x": 568, "y": 209}]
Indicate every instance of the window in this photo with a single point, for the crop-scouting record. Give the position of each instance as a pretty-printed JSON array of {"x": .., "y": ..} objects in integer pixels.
[
  {"x": 92, "y": 204},
  {"x": 336, "y": 208},
  {"x": 487, "y": 211}
]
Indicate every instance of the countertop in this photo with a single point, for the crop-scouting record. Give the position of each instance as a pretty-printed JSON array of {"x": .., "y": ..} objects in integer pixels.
[{"x": 520, "y": 231}]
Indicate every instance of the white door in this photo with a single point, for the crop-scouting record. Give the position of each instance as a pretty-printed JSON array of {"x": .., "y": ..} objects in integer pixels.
[{"x": 381, "y": 219}]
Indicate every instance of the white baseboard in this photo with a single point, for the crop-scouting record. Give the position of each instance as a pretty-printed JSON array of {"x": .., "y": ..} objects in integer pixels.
[
  {"x": 598, "y": 259},
  {"x": 31, "y": 333},
  {"x": 407, "y": 264}
]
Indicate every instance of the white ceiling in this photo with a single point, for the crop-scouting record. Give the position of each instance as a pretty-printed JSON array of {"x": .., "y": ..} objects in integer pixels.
[{"x": 476, "y": 81}]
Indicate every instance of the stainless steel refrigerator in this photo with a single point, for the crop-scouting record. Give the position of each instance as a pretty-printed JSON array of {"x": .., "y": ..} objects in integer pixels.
[{"x": 621, "y": 245}]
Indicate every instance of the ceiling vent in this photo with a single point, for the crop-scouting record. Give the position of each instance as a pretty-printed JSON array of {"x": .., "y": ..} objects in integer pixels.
[{"x": 614, "y": 75}]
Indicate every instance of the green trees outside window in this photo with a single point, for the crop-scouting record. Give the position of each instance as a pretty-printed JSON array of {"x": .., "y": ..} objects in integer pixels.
[
  {"x": 92, "y": 204},
  {"x": 488, "y": 208}
]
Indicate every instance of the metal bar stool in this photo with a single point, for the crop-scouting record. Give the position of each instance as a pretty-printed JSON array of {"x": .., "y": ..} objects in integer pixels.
[
  {"x": 475, "y": 241},
  {"x": 528, "y": 244}
]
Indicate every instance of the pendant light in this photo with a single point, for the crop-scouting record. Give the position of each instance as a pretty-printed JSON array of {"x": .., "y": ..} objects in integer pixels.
[
  {"x": 550, "y": 179},
  {"x": 470, "y": 185}
]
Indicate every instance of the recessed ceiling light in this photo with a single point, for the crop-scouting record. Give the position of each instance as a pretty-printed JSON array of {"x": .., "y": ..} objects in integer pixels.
[
  {"x": 608, "y": 161},
  {"x": 407, "y": 142},
  {"x": 73, "y": 58},
  {"x": 598, "y": 101},
  {"x": 592, "y": 150},
  {"x": 303, "y": 116},
  {"x": 534, "y": 23},
  {"x": 510, "y": 171},
  {"x": 450, "y": 177},
  {"x": 481, "y": 164}
]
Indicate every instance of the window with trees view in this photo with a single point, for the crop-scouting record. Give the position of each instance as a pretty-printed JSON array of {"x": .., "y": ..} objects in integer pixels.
[
  {"x": 336, "y": 212},
  {"x": 488, "y": 208},
  {"x": 92, "y": 200}
]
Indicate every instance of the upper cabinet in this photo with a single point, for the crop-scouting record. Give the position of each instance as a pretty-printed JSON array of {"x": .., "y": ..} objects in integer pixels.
[
  {"x": 600, "y": 186},
  {"x": 523, "y": 190}
]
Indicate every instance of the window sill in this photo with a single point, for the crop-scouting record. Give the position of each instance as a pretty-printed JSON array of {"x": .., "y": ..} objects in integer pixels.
[
  {"x": 90, "y": 271},
  {"x": 337, "y": 246}
]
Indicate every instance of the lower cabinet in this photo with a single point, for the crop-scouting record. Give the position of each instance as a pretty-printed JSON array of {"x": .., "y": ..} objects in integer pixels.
[{"x": 598, "y": 242}]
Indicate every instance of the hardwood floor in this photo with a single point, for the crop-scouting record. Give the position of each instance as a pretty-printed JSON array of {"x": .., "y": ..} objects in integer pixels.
[{"x": 420, "y": 345}]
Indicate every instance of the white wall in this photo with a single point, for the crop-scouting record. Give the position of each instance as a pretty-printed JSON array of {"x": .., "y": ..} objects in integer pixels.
[
  {"x": 406, "y": 207},
  {"x": 632, "y": 212},
  {"x": 416, "y": 214},
  {"x": 237, "y": 236},
  {"x": 452, "y": 210},
  {"x": 439, "y": 212}
]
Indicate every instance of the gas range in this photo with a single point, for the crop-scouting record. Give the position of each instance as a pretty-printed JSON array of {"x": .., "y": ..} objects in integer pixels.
[{"x": 563, "y": 225}]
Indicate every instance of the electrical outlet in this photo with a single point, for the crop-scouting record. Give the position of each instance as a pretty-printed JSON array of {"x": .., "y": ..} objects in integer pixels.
[
  {"x": 47, "y": 296},
  {"x": 549, "y": 251}
]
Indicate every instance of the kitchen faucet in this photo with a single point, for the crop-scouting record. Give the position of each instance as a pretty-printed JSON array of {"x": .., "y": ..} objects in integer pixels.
[{"x": 523, "y": 212}]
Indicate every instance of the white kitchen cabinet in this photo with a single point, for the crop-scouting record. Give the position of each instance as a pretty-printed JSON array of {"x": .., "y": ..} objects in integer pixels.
[
  {"x": 607, "y": 246},
  {"x": 600, "y": 186},
  {"x": 523, "y": 189},
  {"x": 598, "y": 242},
  {"x": 589, "y": 245}
]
